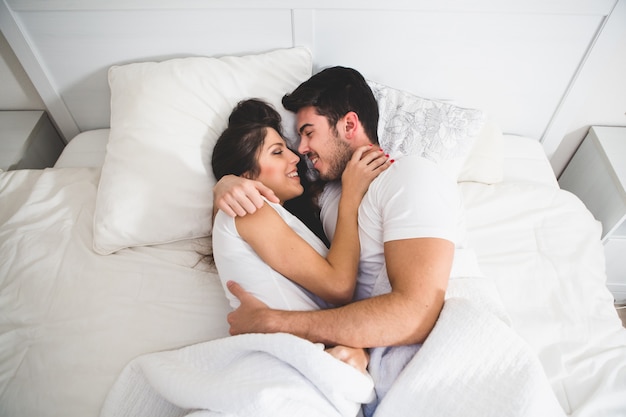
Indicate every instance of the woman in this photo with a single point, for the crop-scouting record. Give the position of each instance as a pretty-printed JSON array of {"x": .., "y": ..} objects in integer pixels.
[{"x": 259, "y": 251}]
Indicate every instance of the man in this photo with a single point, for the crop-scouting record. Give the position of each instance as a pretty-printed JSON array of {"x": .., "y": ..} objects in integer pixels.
[
  {"x": 409, "y": 224},
  {"x": 410, "y": 230},
  {"x": 336, "y": 112}
]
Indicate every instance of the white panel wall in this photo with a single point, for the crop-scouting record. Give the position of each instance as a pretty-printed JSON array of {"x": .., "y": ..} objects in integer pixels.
[
  {"x": 526, "y": 63},
  {"x": 18, "y": 92},
  {"x": 79, "y": 46},
  {"x": 598, "y": 95},
  {"x": 513, "y": 66}
]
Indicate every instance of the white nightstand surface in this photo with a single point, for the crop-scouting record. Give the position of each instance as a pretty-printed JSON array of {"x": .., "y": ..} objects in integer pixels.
[
  {"x": 597, "y": 175},
  {"x": 613, "y": 141},
  {"x": 15, "y": 129},
  {"x": 28, "y": 140}
]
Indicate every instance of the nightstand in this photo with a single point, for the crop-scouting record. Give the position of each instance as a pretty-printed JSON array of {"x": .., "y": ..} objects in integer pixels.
[
  {"x": 28, "y": 140},
  {"x": 597, "y": 175}
]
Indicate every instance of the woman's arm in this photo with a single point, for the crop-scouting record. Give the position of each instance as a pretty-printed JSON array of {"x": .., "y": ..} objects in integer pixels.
[
  {"x": 345, "y": 248},
  {"x": 332, "y": 278}
]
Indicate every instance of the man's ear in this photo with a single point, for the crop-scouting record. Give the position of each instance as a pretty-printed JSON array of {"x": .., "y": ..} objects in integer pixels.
[{"x": 351, "y": 124}]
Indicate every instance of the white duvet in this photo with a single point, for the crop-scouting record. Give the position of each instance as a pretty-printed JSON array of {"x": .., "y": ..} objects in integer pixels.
[
  {"x": 472, "y": 365},
  {"x": 71, "y": 320},
  {"x": 540, "y": 245}
]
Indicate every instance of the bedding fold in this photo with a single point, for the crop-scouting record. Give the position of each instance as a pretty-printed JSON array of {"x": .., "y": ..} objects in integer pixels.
[
  {"x": 257, "y": 375},
  {"x": 472, "y": 364}
]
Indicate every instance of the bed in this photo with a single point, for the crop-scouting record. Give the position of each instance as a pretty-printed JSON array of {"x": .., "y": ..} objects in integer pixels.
[{"x": 106, "y": 291}]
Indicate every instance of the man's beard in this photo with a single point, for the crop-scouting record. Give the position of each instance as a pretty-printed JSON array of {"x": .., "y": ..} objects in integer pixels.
[{"x": 342, "y": 154}]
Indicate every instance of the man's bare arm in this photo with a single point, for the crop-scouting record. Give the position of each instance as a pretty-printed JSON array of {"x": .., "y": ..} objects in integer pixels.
[
  {"x": 418, "y": 272},
  {"x": 238, "y": 196}
]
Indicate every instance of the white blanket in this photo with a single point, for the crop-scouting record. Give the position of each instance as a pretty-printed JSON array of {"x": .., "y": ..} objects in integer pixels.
[
  {"x": 248, "y": 375},
  {"x": 472, "y": 364}
]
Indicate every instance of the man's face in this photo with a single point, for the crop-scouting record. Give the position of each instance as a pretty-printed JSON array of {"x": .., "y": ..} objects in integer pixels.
[{"x": 322, "y": 144}]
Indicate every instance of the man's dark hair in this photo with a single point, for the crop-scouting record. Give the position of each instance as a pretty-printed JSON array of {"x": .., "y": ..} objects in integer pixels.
[{"x": 334, "y": 92}]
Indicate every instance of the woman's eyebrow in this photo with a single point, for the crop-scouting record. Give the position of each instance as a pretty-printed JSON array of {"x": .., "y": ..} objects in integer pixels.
[{"x": 277, "y": 143}]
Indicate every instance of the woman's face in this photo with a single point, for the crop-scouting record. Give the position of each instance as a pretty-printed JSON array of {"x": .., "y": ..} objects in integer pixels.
[{"x": 277, "y": 167}]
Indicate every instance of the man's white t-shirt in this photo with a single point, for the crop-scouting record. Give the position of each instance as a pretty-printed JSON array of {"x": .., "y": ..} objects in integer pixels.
[
  {"x": 413, "y": 198},
  {"x": 236, "y": 260}
]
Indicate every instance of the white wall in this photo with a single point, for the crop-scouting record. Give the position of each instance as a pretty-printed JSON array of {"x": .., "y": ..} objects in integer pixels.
[
  {"x": 18, "y": 92},
  {"x": 598, "y": 96},
  {"x": 547, "y": 70}
]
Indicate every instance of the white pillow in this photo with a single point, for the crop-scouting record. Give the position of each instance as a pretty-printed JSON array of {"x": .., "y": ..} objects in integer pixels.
[
  {"x": 440, "y": 131},
  {"x": 156, "y": 182},
  {"x": 485, "y": 162}
]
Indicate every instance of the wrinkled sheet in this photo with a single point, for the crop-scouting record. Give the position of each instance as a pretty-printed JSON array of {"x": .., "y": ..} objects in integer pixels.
[{"x": 70, "y": 319}]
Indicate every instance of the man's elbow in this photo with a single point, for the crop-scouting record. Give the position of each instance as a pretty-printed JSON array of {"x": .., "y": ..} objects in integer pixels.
[{"x": 418, "y": 330}]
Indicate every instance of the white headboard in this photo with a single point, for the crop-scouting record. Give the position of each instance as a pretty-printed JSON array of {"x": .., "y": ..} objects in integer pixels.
[{"x": 518, "y": 61}]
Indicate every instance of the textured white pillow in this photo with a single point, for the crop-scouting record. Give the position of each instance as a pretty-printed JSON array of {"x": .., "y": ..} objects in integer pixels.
[
  {"x": 440, "y": 131},
  {"x": 156, "y": 182}
]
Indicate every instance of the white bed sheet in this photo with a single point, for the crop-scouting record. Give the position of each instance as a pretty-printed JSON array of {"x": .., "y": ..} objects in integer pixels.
[{"x": 71, "y": 319}]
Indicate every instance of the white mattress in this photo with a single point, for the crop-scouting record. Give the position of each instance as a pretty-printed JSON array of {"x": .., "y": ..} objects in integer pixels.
[{"x": 71, "y": 319}]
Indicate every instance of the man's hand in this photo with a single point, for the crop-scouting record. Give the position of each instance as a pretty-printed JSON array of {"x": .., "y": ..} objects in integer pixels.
[
  {"x": 238, "y": 196},
  {"x": 250, "y": 315}
]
